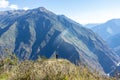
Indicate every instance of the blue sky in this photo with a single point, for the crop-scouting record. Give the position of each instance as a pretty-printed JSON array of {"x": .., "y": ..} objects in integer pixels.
[{"x": 82, "y": 11}]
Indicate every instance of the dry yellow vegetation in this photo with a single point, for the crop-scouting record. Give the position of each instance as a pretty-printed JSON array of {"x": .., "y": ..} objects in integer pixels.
[{"x": 45, "y": 69}]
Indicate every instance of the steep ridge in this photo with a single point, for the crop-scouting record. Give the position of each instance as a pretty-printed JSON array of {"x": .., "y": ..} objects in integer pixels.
[
  {"x": 107, "y": 29},
  {"x": 39, "y": 32},
  {"x": 114, "y": 43},
  {"x": 110, "y": 32}
]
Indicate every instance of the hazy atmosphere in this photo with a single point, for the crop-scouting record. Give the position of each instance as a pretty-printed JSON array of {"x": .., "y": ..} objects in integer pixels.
[
  {"x": 59, "y": 40},
  {"x": 82, "y": 11}
]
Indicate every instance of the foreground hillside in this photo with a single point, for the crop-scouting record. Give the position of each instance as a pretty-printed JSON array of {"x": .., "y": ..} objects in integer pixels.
[{"x": 45, "y": 69}]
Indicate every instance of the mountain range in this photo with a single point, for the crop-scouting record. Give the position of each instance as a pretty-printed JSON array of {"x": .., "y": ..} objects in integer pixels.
[
  {"x": 108, "y": 29},
  {"x": 91, "y": 25},
  {"x": 39, "y": 32},
  {"x": 110, "y": 32}
]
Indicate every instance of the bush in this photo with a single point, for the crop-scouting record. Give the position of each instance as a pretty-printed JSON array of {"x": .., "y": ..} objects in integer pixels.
[
  {"x": 52, "y": 69},
  {"x": 45, "y": 69}
]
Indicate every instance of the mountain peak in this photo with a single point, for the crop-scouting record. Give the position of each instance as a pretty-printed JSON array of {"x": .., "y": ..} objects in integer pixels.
[
  {"x": 47, "y": 33},
  {"x": 42, "y": 9}
]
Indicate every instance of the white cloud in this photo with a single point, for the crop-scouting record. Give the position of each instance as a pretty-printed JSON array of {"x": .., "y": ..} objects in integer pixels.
[
  {"x": 25, "y": 8},
  {"x": 13, "y": 6},
  {"x": 4, "y": 3}
]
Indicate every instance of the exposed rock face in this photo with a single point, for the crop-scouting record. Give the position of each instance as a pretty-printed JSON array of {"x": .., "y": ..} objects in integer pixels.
[{"x": 39, "y": 32}]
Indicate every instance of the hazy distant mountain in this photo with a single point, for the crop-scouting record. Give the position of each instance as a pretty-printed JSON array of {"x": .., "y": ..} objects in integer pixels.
[
  {"x": 90, "y": 25},
  {"x": 108, "y": 29},
  {"x": 39, "y": 32},
  {"x": 114, "y": 43},
  {"x": 110, "y": 32},
  {"x": 115, "y": 40}
]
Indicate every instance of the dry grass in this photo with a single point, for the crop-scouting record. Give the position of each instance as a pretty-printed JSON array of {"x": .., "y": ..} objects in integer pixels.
[{"x": 48, "y": 69}]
